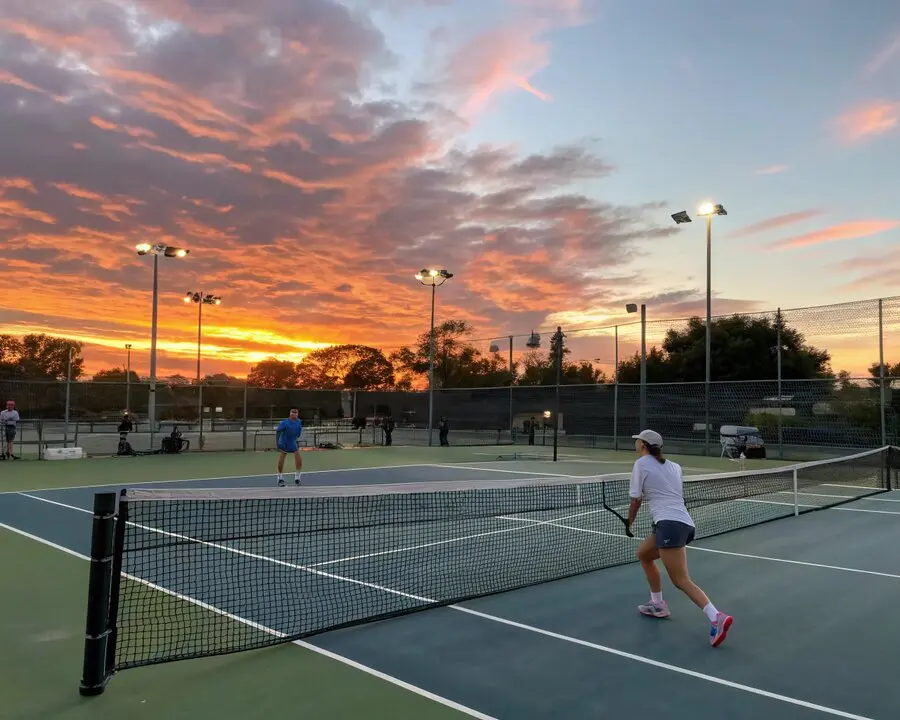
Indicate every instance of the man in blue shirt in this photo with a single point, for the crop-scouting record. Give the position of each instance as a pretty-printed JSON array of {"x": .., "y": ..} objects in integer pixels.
[{"x": 287, "y": 435}]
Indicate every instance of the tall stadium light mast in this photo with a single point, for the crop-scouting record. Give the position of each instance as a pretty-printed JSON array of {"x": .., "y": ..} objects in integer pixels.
[
  {"x": 156, "y": 250},
  {"x": 200, "y": 299},
  {"x": 434, "y": 278},
  {"x": 633, "y": 308},
  {"x": 708, "y": 209}
]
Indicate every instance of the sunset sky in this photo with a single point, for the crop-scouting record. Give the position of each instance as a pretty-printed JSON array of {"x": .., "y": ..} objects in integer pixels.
[{"x": 313, "y": 155}]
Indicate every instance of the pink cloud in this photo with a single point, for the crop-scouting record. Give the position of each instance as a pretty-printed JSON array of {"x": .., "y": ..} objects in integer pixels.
[
  {"x": 771, "y": 170},
  {"x": 244, "y": 160},
  {"x": 835, "y": 233},
  {"x": 495, "y": 62},
  {"x": 779, "y": 221},
  {"x": 869, "y": 120},
  {"x": 883, "y": 56}
]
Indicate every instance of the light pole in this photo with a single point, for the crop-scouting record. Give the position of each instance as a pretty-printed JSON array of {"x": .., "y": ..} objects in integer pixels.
[
  {"x": 170, "y": 252},
  {"x": 708, "y": 209},
  {"x": 200, "y": 299},
  {"x": 633, "y": 308},
  {"x": 128, "y": 378},
  {"x": 434, "y": 278}
]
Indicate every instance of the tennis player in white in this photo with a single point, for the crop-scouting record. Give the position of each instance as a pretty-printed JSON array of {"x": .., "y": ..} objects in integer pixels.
[{"x": 659, "y": 482}]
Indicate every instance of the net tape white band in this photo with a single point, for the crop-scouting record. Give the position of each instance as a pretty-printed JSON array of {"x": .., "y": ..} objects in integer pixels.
[{"x": 268, "y": 493}]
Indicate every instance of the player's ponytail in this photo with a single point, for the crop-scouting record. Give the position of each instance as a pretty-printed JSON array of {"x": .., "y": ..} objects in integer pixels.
[{"x": 656, "y": 452}]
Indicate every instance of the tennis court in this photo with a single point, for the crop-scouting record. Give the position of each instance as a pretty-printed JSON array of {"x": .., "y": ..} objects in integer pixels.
[{"x": 811, "y": 594}]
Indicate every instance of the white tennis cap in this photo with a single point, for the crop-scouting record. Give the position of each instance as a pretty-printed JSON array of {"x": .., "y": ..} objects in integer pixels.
[{"x": 650, "y": 437}]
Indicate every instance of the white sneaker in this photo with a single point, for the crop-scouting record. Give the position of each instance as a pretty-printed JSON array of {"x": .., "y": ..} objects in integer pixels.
[{"x": 654, "y": 609}]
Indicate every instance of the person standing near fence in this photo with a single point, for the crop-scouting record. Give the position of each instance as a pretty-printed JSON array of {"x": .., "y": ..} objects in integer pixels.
[
  {"x": 387, "y": 426},
  {"x": 287, "y": 437},
  {"x": 444, "y": 431},
  {"x": 9, "y": 420}
]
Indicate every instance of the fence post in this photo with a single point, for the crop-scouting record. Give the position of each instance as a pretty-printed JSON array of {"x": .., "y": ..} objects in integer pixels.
[
  {"x": 881, "y": 370},
  {"x": 778, "y": 324},
  {"x": 558, "y": 363},
  {"x": 244, "y": 434},
  {"x": 512, "y": 380},
  {"x": 68, "y": 397},
  {"x": 616, "y": 392}
]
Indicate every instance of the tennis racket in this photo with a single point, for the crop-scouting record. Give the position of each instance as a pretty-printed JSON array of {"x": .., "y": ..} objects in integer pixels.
[{"x": 614, "y": 512}]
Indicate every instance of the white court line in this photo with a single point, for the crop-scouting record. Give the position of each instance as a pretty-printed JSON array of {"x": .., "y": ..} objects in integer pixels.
[
  {"x": 735, "y": 554},
  {"x": 840, "y": 485},
  {"x": 498, "y": 470},
  {"x": 275, "y": 633},
  {"x": 876, "y": 512},
  {"x": 271, "y": 474},
  {"x": 663, "y": 666},
  {"x": 493, "y": 618}
]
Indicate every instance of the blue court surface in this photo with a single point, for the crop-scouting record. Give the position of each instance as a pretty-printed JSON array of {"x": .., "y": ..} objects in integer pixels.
[{"x": 813, "y": 599}]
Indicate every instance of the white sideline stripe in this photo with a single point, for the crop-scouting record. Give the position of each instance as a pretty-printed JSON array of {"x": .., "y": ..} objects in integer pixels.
[
  {"x": 771, "y": 502},
  {"x": 740, "y": 555},
  {"x": 876, "y": 512},
  {"x": 664, "y": 666},
  {"x": 840, "y": 485},
  {"x": 499, "y": 470},
  {"x": 244, "y": 621},
  {"x": 244, "y": 477},
  {"x": 493, "y": 618},
  {"x": 845, "y": 497}
]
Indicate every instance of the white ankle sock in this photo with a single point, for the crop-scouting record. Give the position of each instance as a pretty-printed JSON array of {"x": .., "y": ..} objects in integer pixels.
[
  {"x": 656, "y": 597},
  {"x": 710, "y": 612}
]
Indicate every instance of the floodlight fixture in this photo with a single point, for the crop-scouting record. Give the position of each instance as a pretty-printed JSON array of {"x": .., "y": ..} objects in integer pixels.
[
  {"x": 432, "y": 277},
  {"x": 709, "y": 208},
  {"x": 199, "y": 297},
  {"x": 681, "y": 217},
  {"x": 161, "y": 249},
  {"x": 631, "y": 308}
]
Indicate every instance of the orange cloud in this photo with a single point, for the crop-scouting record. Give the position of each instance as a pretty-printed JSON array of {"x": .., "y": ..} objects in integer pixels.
[
  {"x": 779, "y": 221},
  {"x": 198, "y": 158},
  {"x": 835, "y": 233},
  {"x": 14, "y": 209},
  {"x": 17, "y": 183},
  {"x": 874, "y": 119},
  {"x": 78, "y": 192},
  {"x": 337, "y": 201}
]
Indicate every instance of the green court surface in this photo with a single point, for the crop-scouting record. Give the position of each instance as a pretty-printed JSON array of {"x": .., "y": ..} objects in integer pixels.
[
  {"x": 37, "y": 474},
  {"x": 44, "y": 598}
]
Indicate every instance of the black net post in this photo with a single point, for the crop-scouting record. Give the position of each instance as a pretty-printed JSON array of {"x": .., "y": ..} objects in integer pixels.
[
  {"x": 115, "y": 584},
  {"x": 891, "y": 462},
  {"x": 97, "y": 627}
]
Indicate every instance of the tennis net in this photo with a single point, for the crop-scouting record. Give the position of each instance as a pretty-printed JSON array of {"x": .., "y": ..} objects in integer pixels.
[{"x": 182, "y": 574}]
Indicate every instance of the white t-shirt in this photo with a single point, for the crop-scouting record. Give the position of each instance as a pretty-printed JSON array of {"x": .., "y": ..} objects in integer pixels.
[
  {"x": 660, "y": 484},
  {"x": 9, "y": 417}
]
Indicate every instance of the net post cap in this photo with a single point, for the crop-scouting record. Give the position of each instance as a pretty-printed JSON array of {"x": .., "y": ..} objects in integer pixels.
[{"x": 651, "y": 437}]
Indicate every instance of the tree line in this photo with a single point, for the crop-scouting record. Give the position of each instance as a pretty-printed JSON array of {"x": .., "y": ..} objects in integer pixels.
[{"x": 743, "y": 348}]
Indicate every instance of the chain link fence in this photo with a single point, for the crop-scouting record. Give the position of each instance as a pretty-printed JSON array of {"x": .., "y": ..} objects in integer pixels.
[{"x": 797, "y": 418}]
